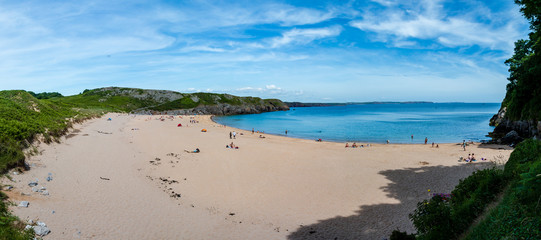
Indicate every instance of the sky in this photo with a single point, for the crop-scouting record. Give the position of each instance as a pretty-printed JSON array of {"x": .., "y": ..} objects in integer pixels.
[{"x": 299, "y": 50}]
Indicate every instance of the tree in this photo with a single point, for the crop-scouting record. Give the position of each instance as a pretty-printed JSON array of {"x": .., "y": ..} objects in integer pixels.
[{"x": 523, "y": 98}]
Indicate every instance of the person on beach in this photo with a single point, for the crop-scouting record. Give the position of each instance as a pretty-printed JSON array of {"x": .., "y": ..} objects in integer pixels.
[
  {"x": 261, "y": 136},
  {"x": 234, "y": 135},
  {"x": 347, "y": 145},
  {"x": 412, "y": 137},
  {"x": 388, "y": 141},
  {"x": 426, "y": 140},
  {"x": 252, "y": 131},
  {"x": 432, "y": 144},
  {"x": 354, "y": 145},
  {"x": 286, "y": 131},
  {"x": 194, "y": 151},
  {"x": 464, "y": 145},
  {"x": 230, "y": 135},
  {"x": 473, "y": 157}
]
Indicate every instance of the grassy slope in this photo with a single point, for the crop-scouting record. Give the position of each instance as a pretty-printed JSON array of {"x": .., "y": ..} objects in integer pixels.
[
  {"x": 22, "y": 119},
  {"x": 518, "y": 216}
]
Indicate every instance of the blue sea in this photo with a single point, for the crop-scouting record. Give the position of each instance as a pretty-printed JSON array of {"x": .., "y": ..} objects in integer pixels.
[{"x": 376, "y": 123}]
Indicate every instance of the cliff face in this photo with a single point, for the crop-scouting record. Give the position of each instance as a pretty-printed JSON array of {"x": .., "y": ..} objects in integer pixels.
[{"x": 511, "y": 132}]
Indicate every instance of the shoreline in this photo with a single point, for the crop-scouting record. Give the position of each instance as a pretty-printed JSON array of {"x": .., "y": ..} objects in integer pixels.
[{"x": 129, "y": 177}]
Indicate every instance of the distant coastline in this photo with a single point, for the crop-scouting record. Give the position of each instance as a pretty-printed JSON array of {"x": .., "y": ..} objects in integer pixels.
[{"x": 302, "y": 104}]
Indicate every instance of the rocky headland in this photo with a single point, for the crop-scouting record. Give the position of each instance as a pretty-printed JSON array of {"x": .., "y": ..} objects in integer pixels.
[{"x": 508, "y": 131}]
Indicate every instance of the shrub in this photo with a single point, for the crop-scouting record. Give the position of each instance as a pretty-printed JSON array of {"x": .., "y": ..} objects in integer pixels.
[
  {"x": 398, "y": 235},
  {"x": 446, "y": 218}
]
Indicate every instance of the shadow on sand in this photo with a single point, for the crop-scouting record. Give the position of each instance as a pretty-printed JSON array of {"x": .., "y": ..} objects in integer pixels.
[{"x": 409, "y": 186}]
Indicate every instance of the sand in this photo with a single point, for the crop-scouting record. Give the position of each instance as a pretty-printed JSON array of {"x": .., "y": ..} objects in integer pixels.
[{"x": 130, "y": 178}]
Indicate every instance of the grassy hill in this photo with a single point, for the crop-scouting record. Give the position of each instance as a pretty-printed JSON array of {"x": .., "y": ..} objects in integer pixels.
[{"x": 133, "y": 99}]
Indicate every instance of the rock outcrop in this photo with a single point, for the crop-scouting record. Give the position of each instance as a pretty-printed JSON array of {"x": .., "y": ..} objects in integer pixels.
[{"x": 512, "y": 132}]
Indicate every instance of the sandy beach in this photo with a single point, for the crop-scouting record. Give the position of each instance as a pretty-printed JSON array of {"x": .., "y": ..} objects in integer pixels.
[{"x": 131, "y": 178}]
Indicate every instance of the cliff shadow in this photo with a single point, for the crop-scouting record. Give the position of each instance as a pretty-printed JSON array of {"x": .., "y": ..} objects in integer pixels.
[
  {"x": 495, "y": 146},
  {"x": 409, "y": 186}
]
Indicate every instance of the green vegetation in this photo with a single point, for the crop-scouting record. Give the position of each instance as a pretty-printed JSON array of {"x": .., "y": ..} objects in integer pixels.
[
  {"x": 45, "y": 95},
  {"x": 517, "y": 216},
  {"x": 133, "y": 99},
  {"x": 209, "y": 99},
  {"x": 447, "y": 218},
  {"x": 107, "y": 100},
  {"x": 523, "y": 98},
  {"x": 10, "y": 227},
  {"x": 23, "y": 119}
]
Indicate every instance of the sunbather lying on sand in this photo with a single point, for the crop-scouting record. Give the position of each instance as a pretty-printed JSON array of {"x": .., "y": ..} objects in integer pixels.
[{"x": 194, "y": 151}]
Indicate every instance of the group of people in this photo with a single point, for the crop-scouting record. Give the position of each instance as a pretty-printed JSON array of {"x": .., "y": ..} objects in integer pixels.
[
  {"x": 232, "y": 146},
  {"x": 471, "y": 158},
  {"x": 354, "y": 145}
]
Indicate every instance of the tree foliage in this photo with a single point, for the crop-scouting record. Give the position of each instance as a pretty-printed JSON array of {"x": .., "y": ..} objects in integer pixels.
[{"x": 523, "y": 99}]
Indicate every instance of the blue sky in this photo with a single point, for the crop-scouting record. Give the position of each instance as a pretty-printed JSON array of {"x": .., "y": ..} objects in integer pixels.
[{"x": 311, "y": 51}]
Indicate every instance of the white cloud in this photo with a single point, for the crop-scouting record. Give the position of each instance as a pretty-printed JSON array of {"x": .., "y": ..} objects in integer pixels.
[
  {"x": 303, "y": 36},
  {"x": 202, "y": 49},
  {"x": 384, "y": 2},
  {"x": 265, "y": 91},
  {"x": 291, "y": 16},
  {"x": 428, "y": 21}
]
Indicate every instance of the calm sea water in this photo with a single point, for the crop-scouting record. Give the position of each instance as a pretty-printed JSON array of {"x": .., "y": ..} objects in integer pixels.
[{"x": 439, "y": 122}]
